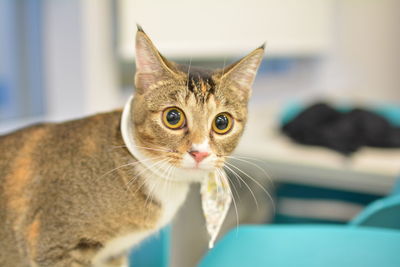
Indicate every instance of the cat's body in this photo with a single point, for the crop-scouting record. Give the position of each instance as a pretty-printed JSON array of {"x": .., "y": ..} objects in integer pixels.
[
  {"x": 84, "y": 207},
  {"x": 80, "y": 194}
]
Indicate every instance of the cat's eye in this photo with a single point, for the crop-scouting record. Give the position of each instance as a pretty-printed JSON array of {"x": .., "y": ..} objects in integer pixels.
[
  {"x": 174, "y": 118},
  {"x": 222, "y": 123}
]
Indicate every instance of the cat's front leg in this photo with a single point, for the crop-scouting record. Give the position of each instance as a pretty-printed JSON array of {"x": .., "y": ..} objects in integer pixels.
[
  {"x": 115, "y": 250},
  {"x": 119, "y": 261},
  {"x": 81, "y": 258}
]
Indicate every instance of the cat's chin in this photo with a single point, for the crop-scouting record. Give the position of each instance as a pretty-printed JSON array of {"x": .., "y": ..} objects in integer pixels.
[{"x": 194, "y": 174}]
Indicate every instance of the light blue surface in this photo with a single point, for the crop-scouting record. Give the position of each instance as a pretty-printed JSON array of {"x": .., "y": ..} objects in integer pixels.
[
  {"x": 389, "y": 111},
  {"x": 152, "y": 252},
  {"x": 290, "y": 111},
  {"x": 396, "y": 187},
  {"x": 311, "y": 246},
  {"x": 384, "y": 213},
  {"x": 21, "y": 66},
  {"x": 371, "y": 239},
  {"x": 9, "y": 63}
]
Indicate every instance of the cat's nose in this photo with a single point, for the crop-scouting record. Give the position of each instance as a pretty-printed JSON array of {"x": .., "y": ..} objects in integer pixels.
[{"x": 198, "y": 156}]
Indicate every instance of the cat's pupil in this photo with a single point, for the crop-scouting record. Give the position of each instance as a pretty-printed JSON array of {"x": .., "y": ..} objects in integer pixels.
[
  {"x": 221, "y": 122},
  {"x": 173, "y": 117}
]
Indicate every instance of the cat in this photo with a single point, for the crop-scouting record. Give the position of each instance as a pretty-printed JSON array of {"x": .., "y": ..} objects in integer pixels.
[{"x": 82, "y": 192}]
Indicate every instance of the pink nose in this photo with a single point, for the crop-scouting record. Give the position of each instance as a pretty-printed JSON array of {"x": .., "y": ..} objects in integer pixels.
[{"x": 198, "y": 156}]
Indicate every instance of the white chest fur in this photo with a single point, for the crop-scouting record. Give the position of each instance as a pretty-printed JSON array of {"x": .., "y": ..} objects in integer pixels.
[{"x": 169, "y": 193}]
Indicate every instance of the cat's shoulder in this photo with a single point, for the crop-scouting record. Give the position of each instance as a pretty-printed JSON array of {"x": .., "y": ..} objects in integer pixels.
[{"x": 106, "y": 118}]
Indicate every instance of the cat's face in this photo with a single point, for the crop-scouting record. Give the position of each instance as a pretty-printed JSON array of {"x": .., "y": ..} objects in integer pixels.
[{"x": 188, "y": 120}]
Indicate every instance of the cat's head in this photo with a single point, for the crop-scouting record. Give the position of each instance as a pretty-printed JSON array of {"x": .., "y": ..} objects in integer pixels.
[{"x": 187, "y": 117}]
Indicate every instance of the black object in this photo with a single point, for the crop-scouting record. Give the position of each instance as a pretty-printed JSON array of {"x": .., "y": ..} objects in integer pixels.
[{"x": 345, "y": 132}]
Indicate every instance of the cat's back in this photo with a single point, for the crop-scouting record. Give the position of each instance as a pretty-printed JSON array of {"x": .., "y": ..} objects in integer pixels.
[
  {"x": 41, "y": 145},
  {"x": 18, "y": 143},
  {"x": 49, "y": 139},
  {"x": 32, "y": 157},
  {"x": 12, "y": 147}
]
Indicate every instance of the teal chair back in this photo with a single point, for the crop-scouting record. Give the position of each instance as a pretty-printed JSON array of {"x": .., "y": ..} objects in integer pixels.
[
  {"x": 384, "y": 213},
  {"x": 371, "y": 239},
  {"x": 311, "y": 246},
  {"x": 152, "y": 252}
]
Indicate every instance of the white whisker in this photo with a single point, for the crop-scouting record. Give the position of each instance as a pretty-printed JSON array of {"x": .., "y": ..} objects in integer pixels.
[
  {"x": 128, "y": 164},
  {"x": 221, "y": 174},
  {"x": 146, "y": 168},
  {"x": 154, "y": 149},
  {"x": 234, "y": 187},
  {"x": 255, "y": 165},
  {"x": 147, "y": 148},
  {"x": 223, "y": 71},
  {"x": 150, "y": 194},
  {"x": 256, "y": 182},
  {"x": 247, "y": 157},
  {"x": 169, "y": 181},
  {"x": 188, "y": 72},
  {"x": 248, "y": 187}
]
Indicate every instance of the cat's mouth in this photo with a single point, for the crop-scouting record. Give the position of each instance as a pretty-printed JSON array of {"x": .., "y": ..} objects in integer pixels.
[
  {"x": 197, "y": 168},
  {"x": 178, "y": 173},
  {"x": 190, "y": 166},
  {"x": 198, "y": 161}
]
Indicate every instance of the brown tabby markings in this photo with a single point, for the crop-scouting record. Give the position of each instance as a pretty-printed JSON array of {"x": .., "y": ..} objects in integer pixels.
[
  {"x": 18, "y": 180},
  {"x": 50, "y": 211},
  {"x": 32, "y": 236},
  {"x": 198, "y": 96},
  {"x": 89, "y": 146}
]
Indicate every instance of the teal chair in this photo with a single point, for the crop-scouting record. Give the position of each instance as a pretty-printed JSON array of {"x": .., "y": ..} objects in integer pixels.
[
  {"x": 311, "y": 246},
  {"x": 383, "y": 213},
  {"x": 371, "y": 239},
  {"x": 152, "y": 252}
]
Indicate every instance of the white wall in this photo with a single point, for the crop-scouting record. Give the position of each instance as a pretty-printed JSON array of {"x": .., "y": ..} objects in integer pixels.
[
  {"x": 80, "y": 67},
  {"x": 363, "y": 63},
  {"x": 101, "y": 84},
  {"x": 210, "y": 28},
  {"x": 63, "y": 56}
]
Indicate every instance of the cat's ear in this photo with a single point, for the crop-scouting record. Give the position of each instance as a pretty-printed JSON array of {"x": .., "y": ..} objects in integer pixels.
[
  {"x": 151, "y": 66},
  {"x": 243, "y": 72}
]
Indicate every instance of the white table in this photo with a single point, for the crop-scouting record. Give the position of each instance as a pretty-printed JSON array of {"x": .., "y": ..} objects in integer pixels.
[{"x": 370, "y": 170}]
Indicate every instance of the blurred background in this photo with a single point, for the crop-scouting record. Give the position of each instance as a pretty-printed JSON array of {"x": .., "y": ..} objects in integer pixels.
[{"x": 63, "y": 59}]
